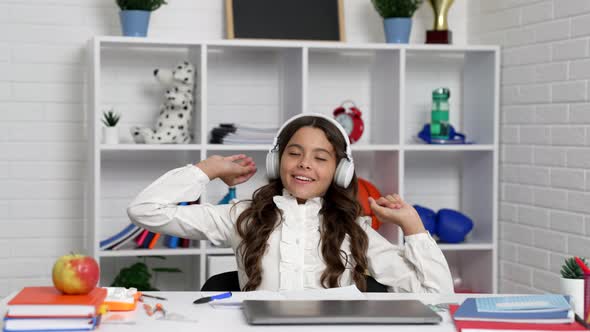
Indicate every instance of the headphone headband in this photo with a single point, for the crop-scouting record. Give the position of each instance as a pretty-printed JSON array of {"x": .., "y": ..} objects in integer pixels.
[{"x": 275, "y": 142}]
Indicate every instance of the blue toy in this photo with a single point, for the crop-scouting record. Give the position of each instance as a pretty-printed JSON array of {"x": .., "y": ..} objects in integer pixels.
[
  {"x": 454, "y": 137},
  {"x": 428, "y": 217},
  {"x": 231, "y": 194},
  {"x": 453, "y": 226},
  {"x": 450, "y": 226}
]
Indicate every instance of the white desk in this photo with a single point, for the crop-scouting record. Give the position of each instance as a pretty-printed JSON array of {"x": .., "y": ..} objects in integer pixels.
[{"x": 212, "y": 320}]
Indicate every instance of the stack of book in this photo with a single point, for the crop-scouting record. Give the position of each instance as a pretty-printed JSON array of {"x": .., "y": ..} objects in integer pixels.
[
  {"x": 46, "y": 308},
  {"x": 229, "y": 133},
  {"x": 529, "y": 312},
  {"x": 142, "y": 238}
]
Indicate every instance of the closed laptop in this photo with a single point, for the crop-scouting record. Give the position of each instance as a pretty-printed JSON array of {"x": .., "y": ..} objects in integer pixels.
[{"x": 261, "y": 312}]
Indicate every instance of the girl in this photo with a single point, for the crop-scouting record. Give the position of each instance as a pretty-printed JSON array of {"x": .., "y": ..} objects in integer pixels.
[{"x": 303, "y": 230}]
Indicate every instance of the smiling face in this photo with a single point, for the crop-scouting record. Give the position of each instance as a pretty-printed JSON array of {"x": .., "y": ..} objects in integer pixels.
[{"x": 308, "y": 164}]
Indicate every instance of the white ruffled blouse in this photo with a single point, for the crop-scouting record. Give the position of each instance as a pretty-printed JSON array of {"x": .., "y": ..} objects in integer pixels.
[{"x": 293, "y": 259}]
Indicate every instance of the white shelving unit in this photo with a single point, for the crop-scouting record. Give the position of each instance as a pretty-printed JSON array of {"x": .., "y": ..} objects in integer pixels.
[{"x": 267, "y": 82}]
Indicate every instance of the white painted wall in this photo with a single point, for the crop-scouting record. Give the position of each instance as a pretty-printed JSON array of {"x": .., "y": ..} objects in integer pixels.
[
  {"x": 545, "y": 134},
  {"x": 43, "y": 144}
]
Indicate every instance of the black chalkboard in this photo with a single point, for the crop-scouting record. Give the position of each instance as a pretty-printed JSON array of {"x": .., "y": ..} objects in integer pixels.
[{"x": 285, "y": 19}]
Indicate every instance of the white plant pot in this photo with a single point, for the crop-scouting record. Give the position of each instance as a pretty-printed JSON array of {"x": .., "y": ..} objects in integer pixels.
[
  {"x": 575, "y": 289},
  {"x": 110, "y": 135}
]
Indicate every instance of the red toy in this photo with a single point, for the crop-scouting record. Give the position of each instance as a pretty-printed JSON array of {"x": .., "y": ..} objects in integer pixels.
[{"x": 366, "y": 190}]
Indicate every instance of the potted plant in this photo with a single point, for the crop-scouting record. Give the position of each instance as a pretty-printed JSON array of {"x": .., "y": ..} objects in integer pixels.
[
  {"x": 110, "y": 133},
  {"x": 572, "y": 283},
  {"x": 135, "y": 15},
  {"x": 138, "y": 275},
  {"x": 397, "y": 18}
]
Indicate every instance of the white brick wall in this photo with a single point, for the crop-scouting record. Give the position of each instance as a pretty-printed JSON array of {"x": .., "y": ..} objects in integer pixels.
[
  {"x": 42, "y": 130},
  {"x": 545, "y": 128}
]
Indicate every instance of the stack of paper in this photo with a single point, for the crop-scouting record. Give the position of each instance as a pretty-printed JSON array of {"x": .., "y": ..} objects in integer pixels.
[
  {"x": 529, "y": 312},
  {"x": 242, "y": 134},
  {"x": 46, "y": 308}
]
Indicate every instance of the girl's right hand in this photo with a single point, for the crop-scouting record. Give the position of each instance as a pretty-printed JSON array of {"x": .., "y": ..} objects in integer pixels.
[{"x": 232, "y": 170}]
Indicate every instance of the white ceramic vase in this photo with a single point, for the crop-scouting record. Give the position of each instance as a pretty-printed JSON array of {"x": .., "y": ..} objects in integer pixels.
[
  {"x": 110, "y": 135},
  {"x": 575, "y": 289}
]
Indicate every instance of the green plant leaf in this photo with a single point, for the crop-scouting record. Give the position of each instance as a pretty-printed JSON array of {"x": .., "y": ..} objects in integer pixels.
[
  {"x": 147, "y": 5},
  {"x": 396, "y": 8}
]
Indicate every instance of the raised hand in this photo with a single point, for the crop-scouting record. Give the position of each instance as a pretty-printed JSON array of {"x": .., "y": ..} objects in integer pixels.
[
  {"x": 232, "y": 170},
  {"x": 393, "y": 209}
]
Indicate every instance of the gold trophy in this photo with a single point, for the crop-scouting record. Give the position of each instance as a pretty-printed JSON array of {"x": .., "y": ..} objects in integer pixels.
[{"x": 440, "y": 34}]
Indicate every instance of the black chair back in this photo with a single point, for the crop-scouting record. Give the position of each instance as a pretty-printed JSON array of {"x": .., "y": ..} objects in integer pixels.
[{"x": 228, "y": 281}]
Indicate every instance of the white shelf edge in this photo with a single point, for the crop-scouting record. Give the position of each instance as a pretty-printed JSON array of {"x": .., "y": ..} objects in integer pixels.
[
  {"x": 150, "y": 147},
  {"x": 240, "y": 147},
  {"x": 219, "y": 251},
  {"x": 375, "y": 147},
  {"x": 261, "y": 147},
  {"x": 149, "y": 252},
  {"x": 449, "y": 147},
  {"x": 141, "y": 41}
]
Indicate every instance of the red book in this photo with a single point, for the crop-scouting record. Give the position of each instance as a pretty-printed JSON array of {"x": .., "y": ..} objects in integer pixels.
[
  {"x": 141, "y": 237},
  {"x": 47, "y": 301},
  {"x": 185, "y": 243},
  {"x": 486, "y": 325}
]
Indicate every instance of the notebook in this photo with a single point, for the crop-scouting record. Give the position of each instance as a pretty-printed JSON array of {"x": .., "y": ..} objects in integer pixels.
[
  {"x": 48, "y": 324},
  {"x": 47, "y": 301},
  {"x": 468, "y": 311},
  {"x": 463, "y": 326},
  {"x": 263, "y": 312}
]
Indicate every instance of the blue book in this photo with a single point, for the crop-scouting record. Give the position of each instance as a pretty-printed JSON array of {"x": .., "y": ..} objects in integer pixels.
[
  {"x": 148, "y": 239},
  {"x": 523, "y": 303},
  {"x": 468, "y": 311},
  {"x": 117, "y": 237},
  {"x": 171, "y": 241}
]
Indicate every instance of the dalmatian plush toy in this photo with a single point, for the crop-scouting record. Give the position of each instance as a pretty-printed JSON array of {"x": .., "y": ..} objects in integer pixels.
[{"x": 174, "y": 120}]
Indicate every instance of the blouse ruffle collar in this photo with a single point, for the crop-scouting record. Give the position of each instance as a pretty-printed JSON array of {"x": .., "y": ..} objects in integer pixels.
[{"x": 300, "y": 234}]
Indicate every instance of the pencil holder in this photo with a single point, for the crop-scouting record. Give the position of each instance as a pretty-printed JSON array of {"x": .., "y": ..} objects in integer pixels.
[{"x": 586, "y": 297}]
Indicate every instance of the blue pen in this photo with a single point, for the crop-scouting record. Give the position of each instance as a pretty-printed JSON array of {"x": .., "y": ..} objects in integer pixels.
[{"x": 207, "y": 299}]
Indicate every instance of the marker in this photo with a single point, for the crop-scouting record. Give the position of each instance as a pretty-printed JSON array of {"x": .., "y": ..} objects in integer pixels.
[{"x": 207, "y": 299}]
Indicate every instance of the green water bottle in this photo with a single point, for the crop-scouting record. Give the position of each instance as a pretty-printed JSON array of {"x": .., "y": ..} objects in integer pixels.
[{"x": 439, "y": 117}]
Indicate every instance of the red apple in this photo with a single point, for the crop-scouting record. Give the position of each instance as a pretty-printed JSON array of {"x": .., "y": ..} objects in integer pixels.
[{"x": 75, "y": 274}]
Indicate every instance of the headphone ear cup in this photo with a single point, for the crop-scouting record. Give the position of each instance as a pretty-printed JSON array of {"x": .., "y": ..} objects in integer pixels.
[
  {"x": 344, "y": 173},
  {"x": 272, "y": 165}
]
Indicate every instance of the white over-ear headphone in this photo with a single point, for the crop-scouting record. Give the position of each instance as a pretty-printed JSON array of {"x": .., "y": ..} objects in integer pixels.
[{"x": 344, "y": 170}]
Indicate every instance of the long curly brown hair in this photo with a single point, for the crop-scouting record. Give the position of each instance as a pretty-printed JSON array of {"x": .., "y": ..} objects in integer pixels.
[{"x": 340, "y": 210}]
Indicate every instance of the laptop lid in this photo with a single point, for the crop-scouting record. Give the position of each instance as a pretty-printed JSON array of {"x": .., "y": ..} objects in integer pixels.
[{"x": 261, "y": 312}]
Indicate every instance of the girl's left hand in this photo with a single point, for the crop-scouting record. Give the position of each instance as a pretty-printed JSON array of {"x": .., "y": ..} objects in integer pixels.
[{"x": 393, "y": 209}]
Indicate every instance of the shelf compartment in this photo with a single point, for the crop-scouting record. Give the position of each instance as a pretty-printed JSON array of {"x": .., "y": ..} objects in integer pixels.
[
  {"x": 471, "y": 77},
  {"x": 127, "y": 84},
  {"x": 475, "y": 268},
  {"x": 369, "y": 77},
  {"x": 253, "y": 85},
  {"x": 459, "y": 180},
  {"x": 186, "y": 261},
  {"x": 381, "y": 168}
]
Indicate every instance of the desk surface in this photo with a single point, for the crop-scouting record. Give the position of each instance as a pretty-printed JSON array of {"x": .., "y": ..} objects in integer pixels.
[{"x": 209, "y": 318}]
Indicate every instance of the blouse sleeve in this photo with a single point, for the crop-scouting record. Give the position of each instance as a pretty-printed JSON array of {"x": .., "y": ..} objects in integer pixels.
[
  {"x": 156, "y": 208},
  {"x": 418, "y": 266}
]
